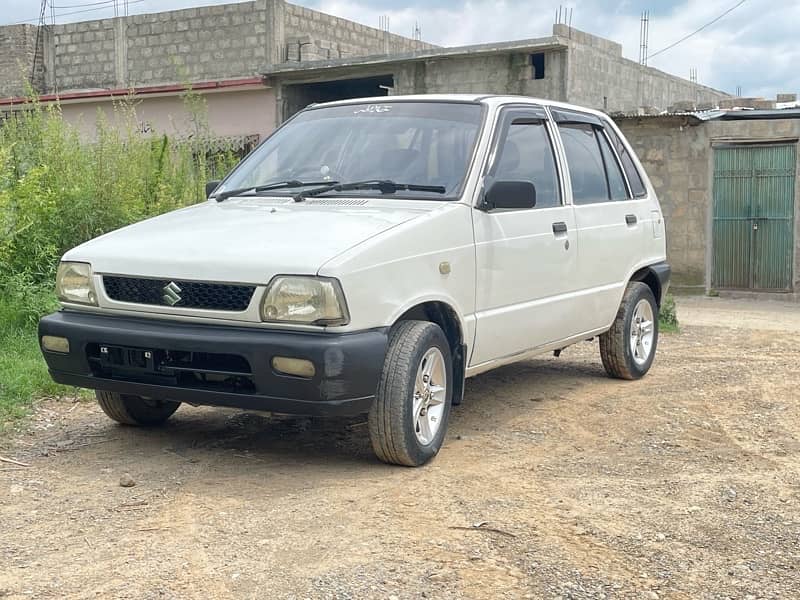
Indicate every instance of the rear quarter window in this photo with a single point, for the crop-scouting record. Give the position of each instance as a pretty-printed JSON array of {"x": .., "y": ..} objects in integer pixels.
[{"x": 634, "y": 177}]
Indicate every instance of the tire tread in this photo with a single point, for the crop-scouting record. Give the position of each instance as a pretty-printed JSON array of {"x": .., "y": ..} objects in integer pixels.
[
  {"x": 613, "y": 343},
  {"x": 386, "y": 417}
]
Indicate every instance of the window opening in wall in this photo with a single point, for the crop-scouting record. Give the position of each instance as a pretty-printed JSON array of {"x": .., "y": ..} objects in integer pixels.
[{"x": 537, "y": 61}]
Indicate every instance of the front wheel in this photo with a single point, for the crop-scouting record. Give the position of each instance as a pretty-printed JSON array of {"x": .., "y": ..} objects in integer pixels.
[
  {"x": 629, "y": 347},
  {"x": 408, "y": 420},
  {"x": 135, "y": 410}
]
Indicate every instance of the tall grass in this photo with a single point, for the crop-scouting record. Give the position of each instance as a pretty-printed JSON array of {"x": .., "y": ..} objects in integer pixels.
[{"x": 58, "y": 190}]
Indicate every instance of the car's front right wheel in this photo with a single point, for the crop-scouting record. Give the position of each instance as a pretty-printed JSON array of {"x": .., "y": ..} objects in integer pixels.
[
  {"x": 408, "y": 420},
  {"x": 629, "y": 347}
]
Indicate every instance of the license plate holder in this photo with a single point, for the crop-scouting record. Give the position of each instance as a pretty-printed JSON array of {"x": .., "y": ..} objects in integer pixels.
[{"x": 143, "y": 360}]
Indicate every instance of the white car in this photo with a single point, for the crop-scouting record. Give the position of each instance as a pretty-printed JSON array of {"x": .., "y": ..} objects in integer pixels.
[{"x": 368, "y": 257}]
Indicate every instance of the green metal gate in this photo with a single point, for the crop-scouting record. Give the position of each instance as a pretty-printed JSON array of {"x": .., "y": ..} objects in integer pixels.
[{"x": 754, "y": 217}]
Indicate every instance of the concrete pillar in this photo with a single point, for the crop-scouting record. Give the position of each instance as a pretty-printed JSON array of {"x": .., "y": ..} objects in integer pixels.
[
  {"x": 49, "y": 52},
  {"x": 121, "y": 52},
  {"x": 274, "y": 17}
]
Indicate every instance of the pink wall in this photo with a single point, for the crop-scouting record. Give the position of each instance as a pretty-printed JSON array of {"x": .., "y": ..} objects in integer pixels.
[{"x": 230, "y": 113}]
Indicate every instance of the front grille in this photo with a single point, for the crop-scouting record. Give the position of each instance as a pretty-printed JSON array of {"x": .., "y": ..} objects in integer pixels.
[{"x": 183, "y": 294}]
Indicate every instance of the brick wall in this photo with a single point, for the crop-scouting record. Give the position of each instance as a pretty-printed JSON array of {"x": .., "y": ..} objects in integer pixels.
[
  {"x": 508, "y": 73},
  {"x": 199, "y": 44},
  {"x": 83, "y": 54},
  {"x": 678, "y": 158},
  {"x": 312, "y": 35},
  {"x": 599, "y": 77},
  {"x": 17, "y": 46}
]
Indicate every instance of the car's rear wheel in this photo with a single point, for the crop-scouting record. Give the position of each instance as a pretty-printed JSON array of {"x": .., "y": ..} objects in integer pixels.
[
  {"x": 135, "y": 410},
  {"x": 408, "y": 420},
  {"x": 629, "y": 347}
]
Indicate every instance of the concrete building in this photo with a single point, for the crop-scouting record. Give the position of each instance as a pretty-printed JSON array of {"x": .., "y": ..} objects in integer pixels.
[
  {"x": 727, "y": 181},
  {"x": 570, "y": 66},
  {"x": 256, "y": 63},
  {"x": 219, "y": 50}
]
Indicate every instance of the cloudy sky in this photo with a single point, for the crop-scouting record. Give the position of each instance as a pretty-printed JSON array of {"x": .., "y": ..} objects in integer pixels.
[{"x": 755, "y": 46}]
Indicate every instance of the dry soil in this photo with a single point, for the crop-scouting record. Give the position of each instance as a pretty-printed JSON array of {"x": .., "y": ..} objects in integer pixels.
[{"x": 554, "y": 481}]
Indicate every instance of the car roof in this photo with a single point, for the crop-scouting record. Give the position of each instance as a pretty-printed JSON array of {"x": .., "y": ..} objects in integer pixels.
[{"x": 489, "y": 99}]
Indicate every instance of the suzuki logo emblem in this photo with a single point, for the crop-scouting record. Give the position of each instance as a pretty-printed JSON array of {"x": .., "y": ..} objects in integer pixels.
[{"x": 171, "y": 296}]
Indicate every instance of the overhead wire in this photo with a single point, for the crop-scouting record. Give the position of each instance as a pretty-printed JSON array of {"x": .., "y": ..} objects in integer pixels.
[
  {"x": 84, "y": 4},
  {"x": 698, "y": 30},
  {"x": 75, "y": 12}
]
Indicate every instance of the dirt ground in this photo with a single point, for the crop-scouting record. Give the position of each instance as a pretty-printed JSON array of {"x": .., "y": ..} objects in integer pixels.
[{"x": 554, "y": 482}]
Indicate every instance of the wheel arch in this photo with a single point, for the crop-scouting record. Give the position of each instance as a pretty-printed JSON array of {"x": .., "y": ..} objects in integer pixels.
[
  {"x": 445, "y": 316},
  {"x": 650, "y": 278}
]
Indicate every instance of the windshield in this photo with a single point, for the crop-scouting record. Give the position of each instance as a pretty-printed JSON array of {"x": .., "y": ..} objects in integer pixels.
[{"x": 417, "y": 143}]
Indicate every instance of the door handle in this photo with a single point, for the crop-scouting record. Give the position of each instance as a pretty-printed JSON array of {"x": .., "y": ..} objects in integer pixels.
[
  {"x": 559, "y": 228},
  {"x": 631, "y": 219}
]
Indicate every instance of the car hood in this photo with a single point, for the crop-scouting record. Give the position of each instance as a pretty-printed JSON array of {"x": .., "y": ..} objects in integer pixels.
[{"x": 246, "y": 240}]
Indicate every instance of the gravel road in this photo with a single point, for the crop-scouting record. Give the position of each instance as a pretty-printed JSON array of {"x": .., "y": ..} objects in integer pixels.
[{"x": 554, "y": 482}]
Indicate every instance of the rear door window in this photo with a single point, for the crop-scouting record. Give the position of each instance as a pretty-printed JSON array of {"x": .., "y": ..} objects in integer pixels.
[{"x": 585, "y": 162}]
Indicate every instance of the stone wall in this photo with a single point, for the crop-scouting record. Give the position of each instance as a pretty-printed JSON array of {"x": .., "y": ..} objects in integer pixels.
[
  {"x": 599, "y": 77},
  {"x": 17, "y": 48},
  {"x": 678, "y": 156}
]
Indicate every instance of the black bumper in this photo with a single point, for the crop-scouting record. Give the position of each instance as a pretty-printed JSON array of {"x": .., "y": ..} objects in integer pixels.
[{"x": 217, "y": 365}]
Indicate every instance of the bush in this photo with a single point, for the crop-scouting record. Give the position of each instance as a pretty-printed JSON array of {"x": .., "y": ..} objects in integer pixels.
[
  {"x": 58, "y": 190},
  {"x": 668, "y": 315}
]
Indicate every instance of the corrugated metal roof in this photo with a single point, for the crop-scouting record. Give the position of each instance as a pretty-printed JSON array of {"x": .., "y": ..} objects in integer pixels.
[{"x": 740, "y": 114}]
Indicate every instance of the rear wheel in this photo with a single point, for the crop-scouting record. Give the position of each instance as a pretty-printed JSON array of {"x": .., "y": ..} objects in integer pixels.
[
  {"x": 408, "y": 420},
  {"x": 135, "y": 410},
  {"x": 629, "y": 347}
]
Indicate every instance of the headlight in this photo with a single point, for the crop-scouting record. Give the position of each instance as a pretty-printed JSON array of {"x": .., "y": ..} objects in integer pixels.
[
  {"x": 310, "y": 300},
  {"x": 74, "y": 283}
]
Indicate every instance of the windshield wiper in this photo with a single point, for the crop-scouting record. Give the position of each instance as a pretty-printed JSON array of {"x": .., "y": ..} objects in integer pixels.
[
  {"x": 385, "y": 186},
  {"x": 291, "y": 183}
]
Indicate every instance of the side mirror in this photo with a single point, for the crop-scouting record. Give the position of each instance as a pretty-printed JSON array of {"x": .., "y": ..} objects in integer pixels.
[
  {"x": 211, "y": 186},
  {"x": 509, "y": 195}
]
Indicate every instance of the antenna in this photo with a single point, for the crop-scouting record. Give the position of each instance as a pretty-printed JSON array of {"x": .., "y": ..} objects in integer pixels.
[
  {"x": 644, "y": 37},
  {"x": 738, "y": 91},
  {"x": 416, "y": 33},
  {"x": 693, "y": 75}
]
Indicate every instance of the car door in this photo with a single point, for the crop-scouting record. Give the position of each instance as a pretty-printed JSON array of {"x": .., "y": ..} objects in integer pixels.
[
  {"x": 526, "y": 259},
  {"x": 611, "y": 222}
]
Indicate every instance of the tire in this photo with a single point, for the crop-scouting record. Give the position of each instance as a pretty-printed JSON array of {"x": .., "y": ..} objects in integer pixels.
[
  {"x": 408, "y": 420},
  {"x": 627, "y": 356},
  {"x": 135, "y": 410}
]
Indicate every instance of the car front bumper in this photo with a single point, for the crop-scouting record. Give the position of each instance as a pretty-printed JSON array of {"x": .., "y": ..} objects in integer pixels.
[{"x": 216, "y": 365}]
